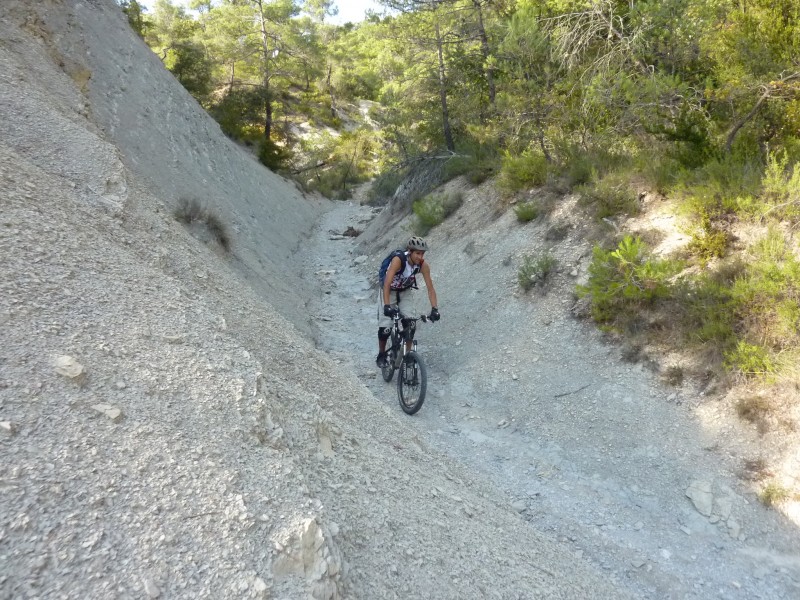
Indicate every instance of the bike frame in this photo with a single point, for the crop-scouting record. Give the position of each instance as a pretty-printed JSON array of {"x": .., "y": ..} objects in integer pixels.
[{"x": 398, "y": 336}]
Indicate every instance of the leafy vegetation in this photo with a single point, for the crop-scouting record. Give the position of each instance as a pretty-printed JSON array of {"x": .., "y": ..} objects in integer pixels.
[
  {"x": 433, "y": 209},
  {"x": 535, "y": 270},
  {"x": 526, "y": 211},
  {"x": 774, "y": 493},
  {"x": 698, "y": 100},
  {"x": 625, "y": 279}
]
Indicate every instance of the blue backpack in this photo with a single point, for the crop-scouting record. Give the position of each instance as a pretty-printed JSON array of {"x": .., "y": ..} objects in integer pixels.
[{"x": 387, "y": 260}]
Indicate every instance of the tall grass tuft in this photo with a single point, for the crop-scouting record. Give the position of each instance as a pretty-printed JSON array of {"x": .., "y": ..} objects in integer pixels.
[{"x": 192, "y": 212}]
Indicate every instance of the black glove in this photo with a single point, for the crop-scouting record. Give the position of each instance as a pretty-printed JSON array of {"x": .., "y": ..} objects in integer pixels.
[
  {"x": 434, "y": 316},
  {"x": 389, "y": 311}
]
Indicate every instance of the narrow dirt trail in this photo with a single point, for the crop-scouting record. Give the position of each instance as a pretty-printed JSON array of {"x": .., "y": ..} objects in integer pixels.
[{"x": 589, "y": 450}]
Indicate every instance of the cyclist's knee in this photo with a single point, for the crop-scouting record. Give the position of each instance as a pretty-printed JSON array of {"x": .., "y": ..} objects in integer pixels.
[{"x": 383, "y": 333}]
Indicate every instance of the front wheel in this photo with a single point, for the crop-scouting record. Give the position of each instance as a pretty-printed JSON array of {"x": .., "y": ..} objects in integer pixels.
[
  {"x": 388, "y": 370},
  {"x": 412, "y": 382}
]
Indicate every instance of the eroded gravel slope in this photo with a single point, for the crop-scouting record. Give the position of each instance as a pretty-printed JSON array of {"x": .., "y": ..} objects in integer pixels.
[{"x": 591, "y": 449}]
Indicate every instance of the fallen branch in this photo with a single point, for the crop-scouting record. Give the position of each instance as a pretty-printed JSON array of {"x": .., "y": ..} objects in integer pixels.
[{"x": 572, "y": 392}]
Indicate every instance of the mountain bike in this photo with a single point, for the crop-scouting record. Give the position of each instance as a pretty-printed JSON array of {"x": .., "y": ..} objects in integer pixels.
[{"x": 412, "y": 380}]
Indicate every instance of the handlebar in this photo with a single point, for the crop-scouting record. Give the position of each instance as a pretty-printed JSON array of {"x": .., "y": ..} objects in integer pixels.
[{"x": 424, "y": 318}]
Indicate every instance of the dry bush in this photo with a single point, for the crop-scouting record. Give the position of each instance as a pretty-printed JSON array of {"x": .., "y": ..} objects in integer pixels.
[
  {"x": 756, "y": 410},
  {"x": 192, "y": 212}
]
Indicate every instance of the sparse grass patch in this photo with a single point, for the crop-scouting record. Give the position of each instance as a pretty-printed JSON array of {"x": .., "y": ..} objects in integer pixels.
[
  {"x": 756, "y": 469},
  {"x": 526, "y": 211},
  {"x": 673, "y": 375},
  {"x": 433, "y": 209},
  {"x": 755, "y": 410},
  {"x": 774, "y": 493},
  {"x": 535, "y": 270},
  {"x": 557, "y": 232},
  {"x": 192, "y": 212},
  {"x": 188, "y": 211},
  {"x": 218, "y": 231}
]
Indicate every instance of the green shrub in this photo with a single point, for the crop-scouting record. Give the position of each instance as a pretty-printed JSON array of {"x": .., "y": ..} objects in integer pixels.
[
  {"x": 780, "y": 188},
  {"x": 610, "y": 196},
  {"x": 524, "y": 171},
  {"x": 774, "y": 493},
  {"x": 660, "y": 172},
  {"x": 431, "y": 210},
  {"x": 476, "y": 169},
  {"x": 526, "y": 211},
  {"x": 626, "y": 277},
  {"x": 272, "y": 155},
  {"x": 384, "y": 186},
  {"x": 535, "y": 270},
  {"x": 708, "y": 240}
]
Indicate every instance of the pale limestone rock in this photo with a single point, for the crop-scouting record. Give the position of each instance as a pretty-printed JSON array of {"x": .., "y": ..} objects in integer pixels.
[
  {"x": 70, "y": 368},
  {"x": 151, "y": 589},
  {"x": 112, "y": 412},
  {"x": 260, "y": 586},
  {"x": 699, "y": 492}
]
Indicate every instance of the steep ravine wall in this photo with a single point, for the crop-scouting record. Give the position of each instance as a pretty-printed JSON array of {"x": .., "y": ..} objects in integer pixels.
[{"x": 131, "y": 117}]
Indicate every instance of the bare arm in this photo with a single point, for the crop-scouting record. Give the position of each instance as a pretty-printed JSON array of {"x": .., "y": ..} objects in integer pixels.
[{"x": 426, "y": 275}]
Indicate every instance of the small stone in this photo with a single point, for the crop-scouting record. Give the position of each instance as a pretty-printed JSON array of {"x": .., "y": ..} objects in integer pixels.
[
  {"x": 360, "y": 260},
  {"x": 260, "y": 586},
  {"x": 519, "y": 506},
  {"x": 120, "y": 385},
  {"x": 638, "y": 563},
  {"x": 151, "y": 589},
  {"x": 112, "y": 412},
  {"x": 8, "y": 427},
  {"x": 68, "y": 367},
  {"x": 638, "y": 525}
]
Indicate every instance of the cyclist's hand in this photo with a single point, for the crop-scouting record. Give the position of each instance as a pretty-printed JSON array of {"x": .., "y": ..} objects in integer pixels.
[
  {"x": 389, "y": 311},
  {"x": 434, "y": 316}
]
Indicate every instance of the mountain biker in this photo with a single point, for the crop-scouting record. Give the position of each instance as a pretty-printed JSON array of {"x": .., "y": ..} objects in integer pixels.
[{"x": 400, "y": 285}]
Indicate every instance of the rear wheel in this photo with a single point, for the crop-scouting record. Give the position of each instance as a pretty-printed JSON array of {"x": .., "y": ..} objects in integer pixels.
[{"x": 411, "y": 383}]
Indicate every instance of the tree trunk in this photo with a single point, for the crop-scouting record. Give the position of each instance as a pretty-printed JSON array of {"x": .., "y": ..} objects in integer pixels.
[
  {"x": 330, "y": 91},
  {"x": 485, "y": 52},
  {"x": 266, "y": 67},
  {"x": 448, "y": 134}
]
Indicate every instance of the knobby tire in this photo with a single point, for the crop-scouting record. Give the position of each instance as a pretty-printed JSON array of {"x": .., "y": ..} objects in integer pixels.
[{"x": 412, "y": 382}]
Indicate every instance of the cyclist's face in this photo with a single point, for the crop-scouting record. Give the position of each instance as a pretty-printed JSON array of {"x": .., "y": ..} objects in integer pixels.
[{"x": 416, "y": 256}]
